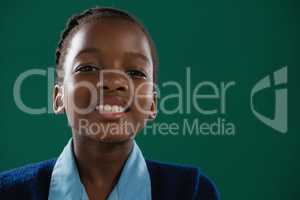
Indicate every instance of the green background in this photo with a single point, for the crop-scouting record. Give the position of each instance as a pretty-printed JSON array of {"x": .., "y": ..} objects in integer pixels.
[{"x": 240, "y": 41}]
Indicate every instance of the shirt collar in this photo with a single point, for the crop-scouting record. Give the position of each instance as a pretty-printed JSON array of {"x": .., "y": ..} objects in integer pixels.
[{"x": 134, "y": 181}]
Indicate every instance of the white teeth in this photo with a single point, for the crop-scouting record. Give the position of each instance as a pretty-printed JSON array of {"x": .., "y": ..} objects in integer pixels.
[
  {"x": 110, "y": 108},
  {"x": 115, "y": 108},
  {"x": 107, "y": 108},
  {"x": 120, "y": 109}
]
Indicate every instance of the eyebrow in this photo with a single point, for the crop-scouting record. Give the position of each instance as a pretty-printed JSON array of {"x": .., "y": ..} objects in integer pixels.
[
  {"x": 138, "y": 55},
  {"x": 128, "y": 53},
  {"x": 89, "y": 50}
]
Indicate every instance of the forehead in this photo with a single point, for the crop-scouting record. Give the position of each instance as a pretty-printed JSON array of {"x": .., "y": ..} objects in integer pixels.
[{"x": 112, "y": 37}]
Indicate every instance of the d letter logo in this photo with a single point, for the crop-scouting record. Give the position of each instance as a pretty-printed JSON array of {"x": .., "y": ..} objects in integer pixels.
[{"x": 280, "y": 121}]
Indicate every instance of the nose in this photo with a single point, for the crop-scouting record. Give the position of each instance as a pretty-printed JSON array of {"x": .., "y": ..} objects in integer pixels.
[{"x": 112, "y": 82}]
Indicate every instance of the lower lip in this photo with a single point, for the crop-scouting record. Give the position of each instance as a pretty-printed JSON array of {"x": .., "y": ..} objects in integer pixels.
[{"x": 111, "y": 115}]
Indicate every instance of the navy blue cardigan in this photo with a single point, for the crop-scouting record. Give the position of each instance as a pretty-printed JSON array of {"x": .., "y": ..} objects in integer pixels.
[{"x": 168, "y": 181}]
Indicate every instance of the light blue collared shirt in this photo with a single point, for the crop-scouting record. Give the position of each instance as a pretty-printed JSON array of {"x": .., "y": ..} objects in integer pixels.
[{"x": 133, "y": 184}]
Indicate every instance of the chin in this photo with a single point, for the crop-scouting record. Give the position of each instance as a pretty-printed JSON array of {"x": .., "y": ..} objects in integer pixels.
[{"x": 110, "y": 136}]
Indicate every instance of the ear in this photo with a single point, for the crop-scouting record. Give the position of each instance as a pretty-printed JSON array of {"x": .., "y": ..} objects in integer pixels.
[
  {"x": 58, "y": 99},
  {"x": 153, "y": 108}
]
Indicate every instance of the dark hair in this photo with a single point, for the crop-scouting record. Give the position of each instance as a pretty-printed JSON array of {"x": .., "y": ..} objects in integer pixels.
[{"x": 97, "y": 13}]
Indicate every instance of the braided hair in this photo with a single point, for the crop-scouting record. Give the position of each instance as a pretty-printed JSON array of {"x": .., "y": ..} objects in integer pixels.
[{"x": 89, "y": 15}]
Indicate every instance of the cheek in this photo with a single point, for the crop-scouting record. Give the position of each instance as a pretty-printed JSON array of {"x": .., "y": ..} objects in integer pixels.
[
  {"x": 80, "y": 96},
  {"x": 143, "y": 98},
  {"x": 79, "y": 100}
]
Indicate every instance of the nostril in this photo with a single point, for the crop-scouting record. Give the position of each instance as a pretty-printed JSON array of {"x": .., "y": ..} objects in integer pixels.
[
  {"x": 105, "y": 87},
  {"x": 121, "y": 88},
  {"x": 113, "y": 84}
]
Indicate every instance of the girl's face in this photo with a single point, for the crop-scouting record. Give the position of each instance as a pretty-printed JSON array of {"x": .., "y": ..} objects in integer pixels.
[{"x": 107, "y": 62}]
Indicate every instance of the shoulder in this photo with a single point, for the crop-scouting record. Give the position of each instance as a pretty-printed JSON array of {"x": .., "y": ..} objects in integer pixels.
[
  {"x": 183, "y": 181},
  {"x": 24, "y": 180}
]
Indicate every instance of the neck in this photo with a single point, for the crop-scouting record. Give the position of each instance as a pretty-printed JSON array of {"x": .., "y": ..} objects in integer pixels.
[{"x": 99, "y": 162}]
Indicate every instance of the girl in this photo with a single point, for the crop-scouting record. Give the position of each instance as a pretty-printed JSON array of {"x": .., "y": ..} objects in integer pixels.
[{"x": 106, "y": 72}]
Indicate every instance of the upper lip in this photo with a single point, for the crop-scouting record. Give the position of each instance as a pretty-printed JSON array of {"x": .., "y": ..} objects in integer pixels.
[{"x": 113, "y": 100}]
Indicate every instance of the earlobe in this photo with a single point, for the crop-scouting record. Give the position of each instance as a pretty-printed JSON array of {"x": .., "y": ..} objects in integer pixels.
[
  {"x": 153, "y": 114},
  {"x": 58, "y": 99}
]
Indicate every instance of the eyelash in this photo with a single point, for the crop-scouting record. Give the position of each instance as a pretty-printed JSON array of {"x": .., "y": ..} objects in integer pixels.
[
  {"x": 136, "y": 74},
  {"x": 132, "y": 73},
  {"x": 84, "y": 68}
]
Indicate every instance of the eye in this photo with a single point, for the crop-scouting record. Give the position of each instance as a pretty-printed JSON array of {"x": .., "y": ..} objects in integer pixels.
[
  {"x": 136, "y": 74},
  {"x": 86, "y": 68}
]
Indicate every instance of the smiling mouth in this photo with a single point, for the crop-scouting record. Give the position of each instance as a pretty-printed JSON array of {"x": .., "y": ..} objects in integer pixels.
[
  {"x": 111, "y": 112},
  {"x": 112, "y": 108},
  {"x": 106, "y": 108}
]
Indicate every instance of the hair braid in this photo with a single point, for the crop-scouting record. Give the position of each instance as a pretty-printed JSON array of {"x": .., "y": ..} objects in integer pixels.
[{"x": 97, "y": 13}]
